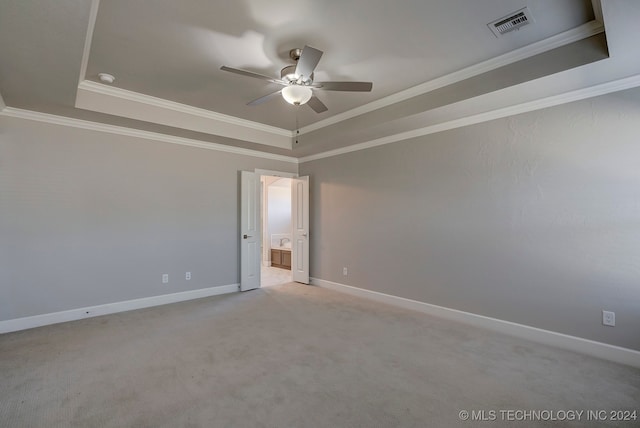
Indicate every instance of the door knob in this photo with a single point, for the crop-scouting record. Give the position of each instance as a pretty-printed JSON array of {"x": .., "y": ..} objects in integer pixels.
[{"x": 247, "y": 236}]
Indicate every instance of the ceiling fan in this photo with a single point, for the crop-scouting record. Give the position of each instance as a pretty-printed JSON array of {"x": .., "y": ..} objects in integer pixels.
[{"x": 298, "y": 83}]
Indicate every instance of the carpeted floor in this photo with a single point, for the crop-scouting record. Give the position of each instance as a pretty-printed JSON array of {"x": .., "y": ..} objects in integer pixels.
[{"x": 296, "y": 356}]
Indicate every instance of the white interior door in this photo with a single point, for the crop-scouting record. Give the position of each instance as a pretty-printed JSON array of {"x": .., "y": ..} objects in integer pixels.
[
  {"x": 249, "y": 231},
  {"x": 300, "y": 226}
]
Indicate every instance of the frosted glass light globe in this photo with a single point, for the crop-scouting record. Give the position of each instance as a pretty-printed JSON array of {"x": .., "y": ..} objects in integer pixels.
[{"x": 296, "y": 94}]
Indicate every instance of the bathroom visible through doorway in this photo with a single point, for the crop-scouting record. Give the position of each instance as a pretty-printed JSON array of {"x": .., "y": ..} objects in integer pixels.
[{"x": 276, "y": 230}]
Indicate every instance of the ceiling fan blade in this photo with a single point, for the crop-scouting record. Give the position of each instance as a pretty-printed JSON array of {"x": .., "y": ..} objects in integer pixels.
[
  {"x": 344, "y": 86},
  {"x": 264, "y": 99},
  {"x": 254, "y": 75},
  {"x": 308, "y": 61},
  {"x": 317, "y": 105}
]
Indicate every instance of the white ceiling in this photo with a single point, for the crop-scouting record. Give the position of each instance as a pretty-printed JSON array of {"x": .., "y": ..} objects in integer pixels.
[
  {"x": 433, "y": 64},
  {"x": 174, "y": 50}
]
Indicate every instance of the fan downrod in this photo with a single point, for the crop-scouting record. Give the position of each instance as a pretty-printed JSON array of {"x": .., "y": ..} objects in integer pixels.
[
  {"x": 288, "y": 72},
  {"x": 294, "y": 54}
]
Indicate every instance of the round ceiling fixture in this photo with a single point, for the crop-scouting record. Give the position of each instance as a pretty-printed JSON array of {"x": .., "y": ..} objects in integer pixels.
[
  {"x": 296, "y": 94},
  {"x": 106, "y": 78}
]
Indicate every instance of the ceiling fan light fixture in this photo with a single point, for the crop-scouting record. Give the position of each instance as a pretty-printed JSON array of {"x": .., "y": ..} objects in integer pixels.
[
  {"x": 298, "y": 79},
  {"x": 297, "y": 94}
]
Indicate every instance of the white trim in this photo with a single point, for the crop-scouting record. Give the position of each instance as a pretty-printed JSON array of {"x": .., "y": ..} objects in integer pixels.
[
  {"x": 584, "y": 346},
  {"x": 275, "y": 173},
  {"x": 567, "y": 97},
  {"x": 93, "y": 15},
  {"x": 579, "y": 33},
  {"x": 112, "y": 308},
  {"x": 593, "y": 91},
  {"x": 2, "y": 104},
  {"x": 130, "y": 132},
  {"x": 586, "y": 30},
  {"x": 137, "y": 97},
  {"x": 597, "y": 10}
]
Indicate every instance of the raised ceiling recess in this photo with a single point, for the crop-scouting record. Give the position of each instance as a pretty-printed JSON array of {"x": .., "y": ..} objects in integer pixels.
[{"x": 435, "y": 65}]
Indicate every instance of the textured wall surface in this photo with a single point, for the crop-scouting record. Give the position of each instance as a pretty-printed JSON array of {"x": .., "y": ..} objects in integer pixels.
[
  {"x": 279, "y": 207},
  {"x": 533, "y": 219},
  {"x": 88, "y": 218}
]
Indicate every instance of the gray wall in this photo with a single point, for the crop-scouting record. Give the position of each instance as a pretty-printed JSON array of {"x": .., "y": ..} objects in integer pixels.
[
  {"x": 88, "y": 218},
  {"x": 279, "y": 207},
  {"x": 533, "y": 219}
]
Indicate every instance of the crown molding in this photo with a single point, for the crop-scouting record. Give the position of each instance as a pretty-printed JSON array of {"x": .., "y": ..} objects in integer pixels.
[
  {"x": 89, "y": 93},
  {"x": 584, "y": 31},
  {"x": 579, "y": 33},
  {"x": 130, "y": 132},
  {"x": 98, "y": 88},
  {"x": 597, "y": 10},
  {"x": 89, "y": 87},
  {"x": 593, "y": 91},
  {"x": 93, "y": 15},
  {"x": 567, "y": 97}
]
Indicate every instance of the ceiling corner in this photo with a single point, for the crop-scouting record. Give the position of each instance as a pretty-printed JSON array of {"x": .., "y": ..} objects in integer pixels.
[
  {"x": 581, "y": 32},
  {"x": 93, "y": 14},
  {"x": 597, "y": 10}
]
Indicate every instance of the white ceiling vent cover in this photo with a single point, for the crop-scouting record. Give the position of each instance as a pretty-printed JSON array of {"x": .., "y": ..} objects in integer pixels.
[{"x": 511, "y": 22}]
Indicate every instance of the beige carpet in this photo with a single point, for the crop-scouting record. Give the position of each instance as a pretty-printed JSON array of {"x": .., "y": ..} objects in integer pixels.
[{"x": 293, "y": 356}]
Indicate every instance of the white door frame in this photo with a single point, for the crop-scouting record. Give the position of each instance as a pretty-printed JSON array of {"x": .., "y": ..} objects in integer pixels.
[
  {"x": 261, "y": 172},
  {"x": 276, "y": 173}
]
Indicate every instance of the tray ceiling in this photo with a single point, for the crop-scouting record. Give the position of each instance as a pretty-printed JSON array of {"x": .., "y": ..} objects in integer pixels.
[{"x": 434, "y": 65}]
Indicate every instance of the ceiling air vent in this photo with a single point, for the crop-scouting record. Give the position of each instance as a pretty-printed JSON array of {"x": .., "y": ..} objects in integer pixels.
[{"x": 511, "y": 22}]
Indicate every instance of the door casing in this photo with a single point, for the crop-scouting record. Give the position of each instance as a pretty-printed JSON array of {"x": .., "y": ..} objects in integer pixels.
[{"x": 251, "y": 227}]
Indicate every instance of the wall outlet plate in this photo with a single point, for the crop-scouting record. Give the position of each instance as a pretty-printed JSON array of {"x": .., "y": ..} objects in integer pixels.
[
  {"x": 345, "y": 271},
  {"x": 609, "y": 318},
  {"x": 187, "y": 276},
  {"x": 165, "y": 278}
]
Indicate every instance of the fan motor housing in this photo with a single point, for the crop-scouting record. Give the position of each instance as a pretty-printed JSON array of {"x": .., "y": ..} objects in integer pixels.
[{"x": 289, "y": 74}]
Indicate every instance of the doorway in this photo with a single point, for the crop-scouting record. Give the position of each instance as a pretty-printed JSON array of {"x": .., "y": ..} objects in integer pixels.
[
  {"x": 275, "y": 266},
  {"x": 251, "y": 229}
]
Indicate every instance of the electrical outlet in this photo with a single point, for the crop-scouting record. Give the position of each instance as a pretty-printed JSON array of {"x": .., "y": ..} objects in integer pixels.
[
  {"x": 345, "y": 271},
  {"x": 187, "y": 276},
  {"x": 609, "y": 318},
  {"x": 165, "y": 278}
]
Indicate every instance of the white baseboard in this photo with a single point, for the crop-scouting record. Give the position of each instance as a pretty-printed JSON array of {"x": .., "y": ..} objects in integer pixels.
[
  {"x": 111, "y": 308},
  {"x": 601, "y": 350}
]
